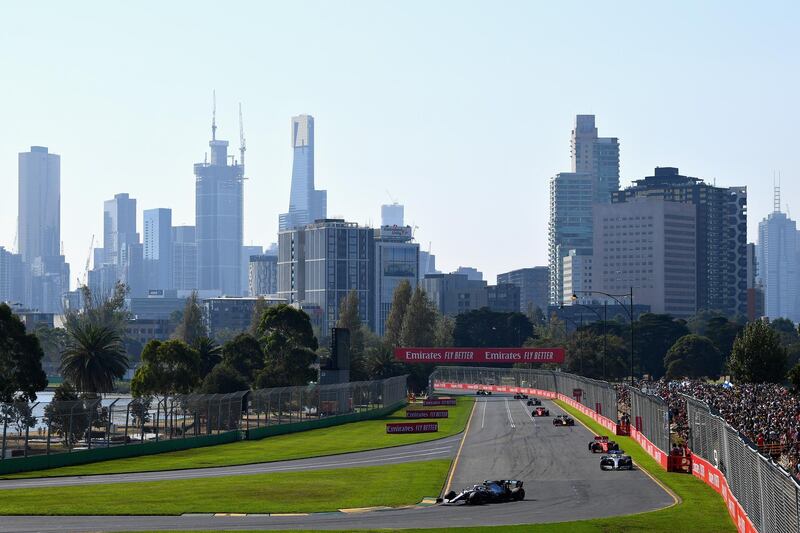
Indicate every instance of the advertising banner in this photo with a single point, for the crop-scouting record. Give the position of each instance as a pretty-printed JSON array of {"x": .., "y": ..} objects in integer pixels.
[
  {"x": 429, "y": 402},
  {"x": 412, "y": 427},
  {"x": 479, "y": 355},
  {"x": 427, "y": 413}
]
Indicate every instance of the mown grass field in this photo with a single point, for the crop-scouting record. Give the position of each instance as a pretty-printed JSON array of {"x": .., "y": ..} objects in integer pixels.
[
  {"x": 353, "y": 437},
  {"x": 699, "y": 509},
  {"x": 291, "y": 492}
]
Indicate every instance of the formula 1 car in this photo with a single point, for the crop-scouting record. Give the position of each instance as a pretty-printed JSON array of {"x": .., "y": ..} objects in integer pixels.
[
  {"x": 540, "y": 411},
  {"x": 602, "y": 445},
  {"x": 534, "y": 401},
  {"x": 482, "y": 392},
  {"x": 519, "y": 396},
  {"x": 616, "y": 460},
  {"x": 503, "y": 490},
  {"x": 563, "y": 420}
]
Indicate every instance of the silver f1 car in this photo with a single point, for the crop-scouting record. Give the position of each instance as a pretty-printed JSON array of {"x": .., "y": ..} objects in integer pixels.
[
  {"x": 563, "y": 420},
  {"x": 502, "y": 490},
  {"x": 534, "y": 402},
  {"x": 616, "y": 460}
]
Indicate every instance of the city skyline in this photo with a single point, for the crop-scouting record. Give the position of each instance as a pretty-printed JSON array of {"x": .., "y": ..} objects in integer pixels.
[{"x": 706, "y": 129}]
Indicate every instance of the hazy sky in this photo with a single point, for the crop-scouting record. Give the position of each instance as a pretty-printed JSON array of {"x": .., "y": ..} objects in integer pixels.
[{"x": 460, "y": 110}]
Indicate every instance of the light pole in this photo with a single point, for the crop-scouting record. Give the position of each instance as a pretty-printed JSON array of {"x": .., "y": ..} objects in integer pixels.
[
  {"x": 603, "y": 318},
  {"x": 616, "y": 297}
]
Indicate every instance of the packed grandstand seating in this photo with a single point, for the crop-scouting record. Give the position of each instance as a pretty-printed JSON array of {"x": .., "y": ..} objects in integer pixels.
[{"x": 767, "y": 414}]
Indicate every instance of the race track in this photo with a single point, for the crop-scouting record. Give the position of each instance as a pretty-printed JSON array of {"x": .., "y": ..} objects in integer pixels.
[{"x": 562, "y": 479}]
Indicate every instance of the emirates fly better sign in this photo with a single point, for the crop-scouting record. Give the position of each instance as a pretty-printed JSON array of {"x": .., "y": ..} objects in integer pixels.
[{"x": 479, "y": 355}]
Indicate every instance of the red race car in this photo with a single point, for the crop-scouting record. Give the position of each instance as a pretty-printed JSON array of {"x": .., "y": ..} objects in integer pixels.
[
  {"x": 601, "y": 444},
  {"x": 540, "y": 411}
]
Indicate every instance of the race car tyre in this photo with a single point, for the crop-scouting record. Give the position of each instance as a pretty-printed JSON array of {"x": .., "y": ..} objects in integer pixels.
[
  {"x": 450, "y": 495},
  {"x": 474, "y": 499},
  {"x": 517, "y": 494}
]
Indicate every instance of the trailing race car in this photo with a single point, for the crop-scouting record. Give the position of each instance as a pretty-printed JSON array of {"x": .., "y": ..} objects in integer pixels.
[
  {"x": 534, "y": 401},
  {"x": 616, "y": 460},
  {"x": 563, "y": 420},
  {"x": 482, "y": 392},
  {"x": 519, "y": 396},
  {"x": 540, "y": 411},
  {"x": 503, "y": 490},
  {"x": 602, "y": 445}
]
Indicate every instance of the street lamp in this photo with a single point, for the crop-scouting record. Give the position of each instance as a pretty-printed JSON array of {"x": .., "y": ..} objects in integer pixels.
[
  {"x": 616, "y": 297},
  {"x": 603, "y": 318}
]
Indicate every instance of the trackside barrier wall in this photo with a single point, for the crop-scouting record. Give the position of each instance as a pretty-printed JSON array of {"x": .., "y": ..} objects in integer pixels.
[
  {"x": 650, "y": 418},
  {"x": 783, "y": 503},
  {"x": 760, "y": 495},
  {"x": 85, "y": 432}
]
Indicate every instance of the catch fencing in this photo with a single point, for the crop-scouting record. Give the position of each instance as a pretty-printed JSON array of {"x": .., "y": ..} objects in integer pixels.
[
  {"x": 650, "y": 416},
  {"x": 599, "y": 396},
  {"x": 766, "y": 492},
  {"x": 56, "y": 427}
]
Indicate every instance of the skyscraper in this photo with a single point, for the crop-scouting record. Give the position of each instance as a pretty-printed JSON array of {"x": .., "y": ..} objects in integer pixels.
[
  {"x": 158, "y": 248},
  {"x": 598, "y": 156},
  {"x": 39, "y": 223},
  {"x": 219, "y": 201},
  {"x": 306, "y": 204},
  {"x": 119, "y": 225},
  {"x": 721, "y": 234},
  {"x": 44, "y": 271},
  {"x": 184, "y": 258},
  {"x": 396, "y": 260},
  {"x": 777, "y": 264}
]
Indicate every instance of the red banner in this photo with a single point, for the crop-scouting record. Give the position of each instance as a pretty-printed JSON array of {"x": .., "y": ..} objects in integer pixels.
[
  {"x": 412, "y": 427},
  {"x": 479, "y": 355},
  {"x": 427, "y": 413},
  {"x": 430, "y": 402}
]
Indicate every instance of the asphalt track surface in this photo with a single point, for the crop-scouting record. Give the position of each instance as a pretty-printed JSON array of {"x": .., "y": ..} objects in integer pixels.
[{"x": 563, "y": 482}]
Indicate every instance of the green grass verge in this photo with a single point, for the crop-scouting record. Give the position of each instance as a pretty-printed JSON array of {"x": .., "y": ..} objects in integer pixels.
[
  {"x": 352, "y": 437},
  {"x": 290, "y": 492},
  {"x": 700, "y": 509}
]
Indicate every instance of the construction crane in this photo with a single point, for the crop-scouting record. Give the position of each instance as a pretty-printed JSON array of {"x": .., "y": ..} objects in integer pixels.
[
  {"x": 242, "y": 144},
  {"x": 86, "y": 268}
]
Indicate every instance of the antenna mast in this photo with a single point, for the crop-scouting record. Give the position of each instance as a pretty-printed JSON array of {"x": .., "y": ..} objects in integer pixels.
[
  {"x": 214, "y": 116},
  {"x": 776, "y": 201},
  {"x": 242, "y": 144}
]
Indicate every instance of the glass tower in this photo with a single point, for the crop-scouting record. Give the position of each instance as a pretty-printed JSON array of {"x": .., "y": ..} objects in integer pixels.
[{"x": 305, "y": 203}]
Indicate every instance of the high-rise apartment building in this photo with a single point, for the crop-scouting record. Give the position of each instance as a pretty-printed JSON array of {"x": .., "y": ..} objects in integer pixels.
[
  {"x": 396, "y": 260},
  {"x": 598, "y": 156},
  {"x": 184, "y": 258},
  {"x": 306, "y": 204},
  {"x": 247, "y": 253},
  {"x": 392, "y": 214},
  {"x": 721, "y": 234},
  {"x": 577, "y": 272},
  {"x": 534, "y": 287},
  {"x": 219, "y": 211},
  {"x": 318, "y": 264},
  {"x": 158, "y": 248},
  {"x": 39, "y": 223},
  {"x": 648, "y": 244},
  {"x": 263, "y": 275},
  {"x": 570, "y": 224},
  {"x": 778, "y": 265}
]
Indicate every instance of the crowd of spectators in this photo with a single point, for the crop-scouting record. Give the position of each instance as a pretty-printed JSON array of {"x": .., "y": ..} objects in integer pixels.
[{"x": 767, "y": 414}]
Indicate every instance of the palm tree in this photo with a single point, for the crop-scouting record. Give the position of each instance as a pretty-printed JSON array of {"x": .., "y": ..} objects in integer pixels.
[
  {"x": 94, "y": 356},
  {"x": 210, "y": 354},
  {"x": 381, "y": 363}
]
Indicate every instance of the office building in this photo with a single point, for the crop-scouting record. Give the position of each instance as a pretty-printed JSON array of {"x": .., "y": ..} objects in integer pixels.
[
  {"x": 306, "y": 204},
  {"x": 12, "y": 277},
  {"x": 777, "y": 264},
  {"x": 503, "y": 298},
  {"x": 320, "y": 263},
  {"x": 158, "y": 248},
  {"x": 534, "y": 287},
  {"x": 39, "y": 222},
  {"x": 184, "y": 258},
  {"x": 577, "y": 278},
  {"x": 570, "y": 224},
  {"x": 232, "y": 315},
  {"x": 721, "y": 234},
  {"x": 454, "y": 294},
  {"x": 396, "y": 260},
  {"x": 262, "y": 275},
  {"x": 473, "y": 274},
  {"x": 648, "y": 244},
  {"x": 597, "y": 156},
  {"x": 247, "y": 253},
  {"x": 219, "y": 208},
  {"x": 101, "y": 280},
  {"x": 119, "y": 226},
  {"x": 392, "y": 214},
  {"x": 158, "y": 304},
  {"x": 427, "y": 264}
]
